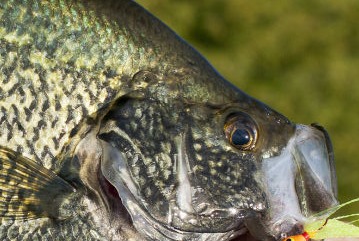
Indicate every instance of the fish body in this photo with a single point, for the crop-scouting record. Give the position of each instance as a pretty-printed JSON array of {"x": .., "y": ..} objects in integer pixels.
[
  {"x": 64, "y": 61},
  {"x": 114, "y": 128}
]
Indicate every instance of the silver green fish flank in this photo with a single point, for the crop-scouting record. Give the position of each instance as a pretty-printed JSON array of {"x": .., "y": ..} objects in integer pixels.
[
  {"x": 113, "y": 128},
  {"x": 59, "y": 65}
]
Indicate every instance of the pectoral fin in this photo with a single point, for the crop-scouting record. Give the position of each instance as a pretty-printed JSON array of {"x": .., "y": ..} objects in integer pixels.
[{"x": 28, "y": 190}]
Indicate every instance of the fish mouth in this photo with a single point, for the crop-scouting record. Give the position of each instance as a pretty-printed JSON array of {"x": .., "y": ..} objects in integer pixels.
[{"x": 300, "y": 182}]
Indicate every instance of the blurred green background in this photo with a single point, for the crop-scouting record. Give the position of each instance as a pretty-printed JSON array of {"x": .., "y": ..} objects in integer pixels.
[{"x": 299, "y": 57}]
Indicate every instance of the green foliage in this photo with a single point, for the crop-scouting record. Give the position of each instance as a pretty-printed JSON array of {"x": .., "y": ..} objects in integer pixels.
[
  {"x": 333, "y": 229},
  {"x": 299, "y": 57}
]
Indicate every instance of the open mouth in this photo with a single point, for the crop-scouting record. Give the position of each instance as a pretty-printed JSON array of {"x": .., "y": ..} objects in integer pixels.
[{"x": 300, "y": 182}]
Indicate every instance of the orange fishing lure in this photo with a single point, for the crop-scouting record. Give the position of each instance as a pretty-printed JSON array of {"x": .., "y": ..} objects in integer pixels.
[
  {"x": 305, "y": 236},
  {"x": 301, "y": 237}
]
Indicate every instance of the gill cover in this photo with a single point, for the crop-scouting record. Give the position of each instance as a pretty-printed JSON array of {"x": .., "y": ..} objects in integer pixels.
[{"x": 114, "y": 167}]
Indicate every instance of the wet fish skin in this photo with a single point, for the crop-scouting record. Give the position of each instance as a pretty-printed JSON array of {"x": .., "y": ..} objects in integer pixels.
[
  {"x": 88, "y": 85},
  {"x": 61, "y": 62}
]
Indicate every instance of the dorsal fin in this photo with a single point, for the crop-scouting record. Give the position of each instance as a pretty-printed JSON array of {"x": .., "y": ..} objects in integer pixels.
[{"x": 28, "y": 190}]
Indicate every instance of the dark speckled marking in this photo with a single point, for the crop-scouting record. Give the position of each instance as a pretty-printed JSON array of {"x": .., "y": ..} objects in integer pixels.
[
  {"x": 45, "y": 105},
  {"x": 56, "y": 142},
  {"x": 14, "y": 88},
  {"x": 28, "y": 113},
  {"x": 9, "y": 127},
  {"x": 22, "y": 93},
  {"x": 3, "y": 118},
  {"x": 33, "y": 105},
  {"x": 57, "y": 103}
]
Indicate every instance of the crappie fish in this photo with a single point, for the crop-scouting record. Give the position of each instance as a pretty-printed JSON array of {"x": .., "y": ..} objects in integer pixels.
[{"x": 113, "y": 128}]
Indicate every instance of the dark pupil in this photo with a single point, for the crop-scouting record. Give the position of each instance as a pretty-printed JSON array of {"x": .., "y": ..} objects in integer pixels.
[{"x": 240, "y": 137}]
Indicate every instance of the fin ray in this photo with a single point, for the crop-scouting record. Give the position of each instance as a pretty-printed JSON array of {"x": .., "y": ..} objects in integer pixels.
[{"x": 28, "y": 190}]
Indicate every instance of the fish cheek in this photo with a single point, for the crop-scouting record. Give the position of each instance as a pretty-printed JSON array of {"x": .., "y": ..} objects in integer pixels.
[{"x": 227, "y": 174}]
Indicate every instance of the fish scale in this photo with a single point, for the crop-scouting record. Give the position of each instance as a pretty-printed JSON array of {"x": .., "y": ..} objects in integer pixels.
[
  {"x": 51, "y": 80},
  {"x": 113, "y": 128},
  {"x": 61, "y": 85}
]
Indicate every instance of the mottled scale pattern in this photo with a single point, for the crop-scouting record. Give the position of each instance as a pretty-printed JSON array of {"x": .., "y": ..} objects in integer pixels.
[
  {"x": 70, "y": 65},
  {"x": 226, "y": 175},
  {"x": 76, "y": 229},
  {"x": 60, "y": 62},
  {"x": 152, "y": 165}
]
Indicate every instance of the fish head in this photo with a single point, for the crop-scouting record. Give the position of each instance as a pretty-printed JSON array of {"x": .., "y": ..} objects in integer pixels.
[{"x": 192, "y": 158}]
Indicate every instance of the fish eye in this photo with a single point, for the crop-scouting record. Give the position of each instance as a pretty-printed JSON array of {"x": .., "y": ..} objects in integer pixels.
[
  {"x": 241, "y": 131},
  {"x": 240, "y": 137}
]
